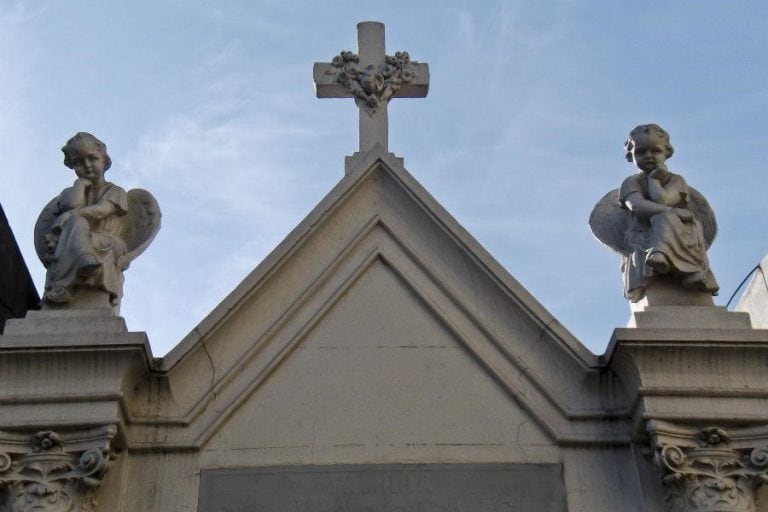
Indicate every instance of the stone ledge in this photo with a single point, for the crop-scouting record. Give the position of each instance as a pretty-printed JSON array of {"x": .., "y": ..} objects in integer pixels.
[
  {"x": 50, "y": 321},
  {"x": 686, "y": 336},
  {"x": 74, "y": 340},
  {"x": 693, "y": 375},
  {"x": 61, "y": 415}
]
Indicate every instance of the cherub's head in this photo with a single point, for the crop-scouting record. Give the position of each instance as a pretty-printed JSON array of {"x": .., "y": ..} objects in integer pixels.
[
  {"x": 648, "y": 146},
  {"x": 83, "y": 143}
]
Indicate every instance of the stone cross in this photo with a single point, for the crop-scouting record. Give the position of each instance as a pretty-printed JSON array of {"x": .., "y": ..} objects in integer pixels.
[{"x": 372, "y": 78}]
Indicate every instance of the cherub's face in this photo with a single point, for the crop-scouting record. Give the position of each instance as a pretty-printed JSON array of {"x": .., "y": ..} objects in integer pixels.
[
  {"x": 89, "y": 162},
  {"x": 649, "y": 152}
]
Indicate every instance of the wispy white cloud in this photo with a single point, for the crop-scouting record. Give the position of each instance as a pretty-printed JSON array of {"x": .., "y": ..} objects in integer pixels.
[
  {"x": 210, "y": 107},
  {"x": 23, "y": 183},
  {"x": 17, "y": 63},
  {"x": 227, "y": 197}
]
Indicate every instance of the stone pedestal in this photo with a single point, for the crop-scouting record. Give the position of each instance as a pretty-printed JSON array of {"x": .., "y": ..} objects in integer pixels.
[
  {"x": 85, "y": 299},
  {"x": 64, "y": 376},
  {"x": 50, "y": 322},
  {"x": 695, "y": 370},
  {"x": 667, "y": 306}
]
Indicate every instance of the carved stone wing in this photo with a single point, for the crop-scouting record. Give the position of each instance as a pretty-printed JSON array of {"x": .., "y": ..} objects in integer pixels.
[
  {"x": 140, "y": 224},
  {"x": 698, "y": 204},
  {"x": 609, "y": 222},
  {"x": 43, "y": 229}
]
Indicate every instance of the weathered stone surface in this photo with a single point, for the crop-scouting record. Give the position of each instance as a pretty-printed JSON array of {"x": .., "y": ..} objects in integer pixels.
[
  {"x": 67, "y": 370},
  {"x": 687, "y": 382},
  {"x": 699, "y": 376},
  {"x": 386, "y": 488}
]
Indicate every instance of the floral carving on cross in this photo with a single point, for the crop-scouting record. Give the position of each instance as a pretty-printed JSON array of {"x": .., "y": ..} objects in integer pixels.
[{"x": 372, "y": 85}]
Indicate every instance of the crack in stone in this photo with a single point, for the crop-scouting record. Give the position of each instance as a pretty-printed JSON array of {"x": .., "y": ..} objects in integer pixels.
[
  {"x": 213, "y": 369},
  {"x": 517, "y": 434}
]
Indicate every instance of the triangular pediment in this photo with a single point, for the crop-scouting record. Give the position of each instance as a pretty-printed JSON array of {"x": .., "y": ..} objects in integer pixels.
[
  {"x": 380, "y": 268},
  {"x": 379, "y": 368}
]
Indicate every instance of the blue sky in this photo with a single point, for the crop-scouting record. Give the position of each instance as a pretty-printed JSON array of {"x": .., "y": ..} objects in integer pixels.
[{"x": 210, "y": 105}]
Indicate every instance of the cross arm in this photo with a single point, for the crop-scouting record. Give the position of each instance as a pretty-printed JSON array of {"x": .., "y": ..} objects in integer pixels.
[
  {"x": 419, "y": 86},
  {"x": 328, "y": 86}
]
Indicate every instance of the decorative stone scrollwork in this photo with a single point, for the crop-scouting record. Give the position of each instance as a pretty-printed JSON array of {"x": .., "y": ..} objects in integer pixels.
[
  {"x": 53, "y": 473},
  {"x": 710, "y": 469},
  {"x": 372, "y": 86}
]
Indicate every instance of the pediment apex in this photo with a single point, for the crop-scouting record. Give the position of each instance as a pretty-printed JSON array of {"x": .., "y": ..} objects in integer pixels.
[
  {"x": 375, "y": 160},
  {"x": 360, "y": 162}
]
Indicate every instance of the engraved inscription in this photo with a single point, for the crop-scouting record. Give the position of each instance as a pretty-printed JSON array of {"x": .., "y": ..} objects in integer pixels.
[{"x": 385, "y": 488}]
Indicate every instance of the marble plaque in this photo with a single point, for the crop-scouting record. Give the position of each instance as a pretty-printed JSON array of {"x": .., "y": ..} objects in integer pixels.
[{"x": 385, "y": 488}]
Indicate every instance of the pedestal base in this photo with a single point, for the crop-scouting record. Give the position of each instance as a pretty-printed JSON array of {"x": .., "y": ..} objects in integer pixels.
[
  {"x": 67, "y": 370},
  {"x": 689, "y": 317},
  {"x": 66, "y": 321},
  {"x": 84, "y": 298},
  {"x": 668, "y": 305}
]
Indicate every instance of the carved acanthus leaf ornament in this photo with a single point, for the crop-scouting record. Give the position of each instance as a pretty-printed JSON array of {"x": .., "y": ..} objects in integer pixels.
[
  {"x": 372, "y": 86},
  {"x": 50, "y": 474},
  {"x": 707, "y": 471}
]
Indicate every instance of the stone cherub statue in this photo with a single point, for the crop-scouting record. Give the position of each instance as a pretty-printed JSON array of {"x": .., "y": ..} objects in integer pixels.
[
  {"x": 661, "y": 226},
  {"x": 88, "y": 235}
]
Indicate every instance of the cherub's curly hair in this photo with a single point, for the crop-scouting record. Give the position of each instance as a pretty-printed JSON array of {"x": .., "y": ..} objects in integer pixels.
[
  {"x": 80, "y": 139},
  {"x": 629, "y": 145}
]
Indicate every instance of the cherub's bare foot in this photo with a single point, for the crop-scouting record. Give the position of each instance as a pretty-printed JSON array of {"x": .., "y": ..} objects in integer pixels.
[
  {"x": 57, "y": 295},
  {"x": 635, "y": 294},
  {"x": 658, "y": 262},
  {"x": 695, "y": 281},
  {"x": 701, "y": 281},
  {"x": 88, "y": 265}
]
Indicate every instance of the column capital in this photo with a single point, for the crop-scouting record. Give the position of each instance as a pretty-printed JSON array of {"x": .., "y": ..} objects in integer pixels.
[
  {"x": 710, "y": 469},
  {"x": 50, "y": 471}
]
